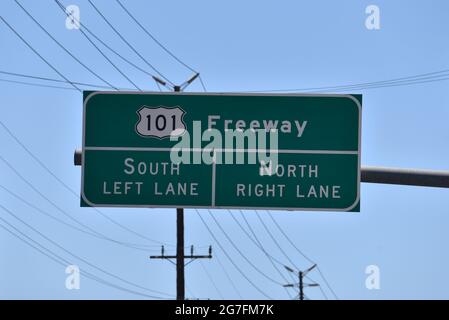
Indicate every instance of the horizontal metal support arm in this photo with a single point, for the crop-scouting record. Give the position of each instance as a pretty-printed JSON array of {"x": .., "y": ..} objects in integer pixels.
[{"x": 412, "y": 177}]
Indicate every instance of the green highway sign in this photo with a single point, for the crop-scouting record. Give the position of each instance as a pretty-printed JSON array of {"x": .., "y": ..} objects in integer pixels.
[{"x": 210, "y": 150}]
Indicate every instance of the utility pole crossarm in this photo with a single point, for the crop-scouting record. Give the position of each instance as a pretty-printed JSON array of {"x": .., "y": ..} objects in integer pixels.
[
  {"x": 180, "y": 258},
  {"x": 163, "y": 257},
  {"x": 198, "y": 257},
  {"x": 185, "y": 257}
]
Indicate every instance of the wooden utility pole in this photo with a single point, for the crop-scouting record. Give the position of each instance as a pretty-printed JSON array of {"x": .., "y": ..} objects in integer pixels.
[
  {"x": 180, "y": 256},
  {"x": 180, "y": 277},
  {"x": 301, "y": 285}
]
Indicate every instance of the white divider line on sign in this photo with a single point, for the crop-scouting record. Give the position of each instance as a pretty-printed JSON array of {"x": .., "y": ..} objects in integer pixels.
[{"x": 222, "y": 150}]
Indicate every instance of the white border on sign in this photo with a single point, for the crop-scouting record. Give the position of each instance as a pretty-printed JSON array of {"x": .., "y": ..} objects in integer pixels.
[{"x": 280, "y": 151}]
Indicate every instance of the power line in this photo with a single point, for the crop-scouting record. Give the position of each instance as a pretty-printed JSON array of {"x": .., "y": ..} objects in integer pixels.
[
  {"x": 36, "y": 84},
  {"x": 258, "y": 241},
  {"x": 327, "y": 282},
  {"x": 100, "y": 235},
  {"x": 158, "y": 86},
  {"x": 371, "y": 85},
  {"x": 227, "y": 275},
  {"x": 260, "y": 246},
  {"x": 78, "y": 257},
  {"x": 21, "y": 75},
  {"x": 275, "y": 241},
  {"x": 202, "y": 84},
  {"x": 145, "y": 30},
  {"x": 301, "y": 253},
  {"x": 155, "y": 39},
  {"x": 89, "y": 1},
  {"x": 337, "y": 88},
  {"x": 61, "y": 261},
  {"x": 227, "y": 255},
  {"x": 254, "y": 238},
  {"x": 401, "y": 84},
  {"x": 440, "y": 75},
  {"x": 60, "y": 181},
  {"x": 211, "y": 279},
  {"x": 404, "y": 83},
  {"x": 127, "y": 42},
  {"x": 241, "y": 253},
  {"x": 29, "y": 204},
  {"x": 200, "y": 79},
  {"x": 417, "y": 77},
  {"x": 38, "y": 54},
  {"x": 63, "y": 47},
  {"x": 13, "y": 169},
  {"x": 97, "y": 48},
  {"x": 84, "y": 27},
  {"x": 230, "y": 259},
  {"x": 55, "y": 259},
  {"x": 322, "y": 291}
]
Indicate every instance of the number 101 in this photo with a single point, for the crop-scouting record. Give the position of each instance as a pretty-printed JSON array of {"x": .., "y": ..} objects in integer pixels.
[{"x": 160, "y": 122}]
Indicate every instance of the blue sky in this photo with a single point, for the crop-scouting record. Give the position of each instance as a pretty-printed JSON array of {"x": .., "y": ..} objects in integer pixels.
[{"x": 237, "y": 46}]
